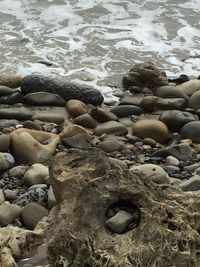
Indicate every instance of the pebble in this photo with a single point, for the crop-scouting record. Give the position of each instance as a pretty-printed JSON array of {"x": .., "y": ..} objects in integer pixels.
[
  {"x": 120, "y": 163},
  {"x": 126, "y": 110},
  {"x": 76, "y": 108},
  {"x": 190, "y": 87},
  {"x": 44, "y": 99},
  {"x": 191, "y": 130},
  {"x": 17, "y": 171},
  {"x": 16, "y": 113},
  {"x": 170, "y": 169},
  {"x": 2, "y": 197},
  {"x": 85, "y": 120},
  {"x": 170, "y": 160},
  {"x": 110, "y": 145},
  {"x": 32, "y": 125},
  {"x": 72, "y": 130},
  {"x": 111, "y": 127},
  {"x": 36, "y": 174},
  {"x": 4, "y": 90},
  {"x": 6, "y": 161},
  {"x": 8, "y": 213},
  {"x": 149, "y": 141},
  {"x": 51, "y": 200},
  {"x": 76, "y": 141},
  {"x": 53, "y": 117}
]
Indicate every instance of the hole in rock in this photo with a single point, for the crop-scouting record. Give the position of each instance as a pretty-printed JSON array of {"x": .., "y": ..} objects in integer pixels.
[{"x": 122, "y": 216}]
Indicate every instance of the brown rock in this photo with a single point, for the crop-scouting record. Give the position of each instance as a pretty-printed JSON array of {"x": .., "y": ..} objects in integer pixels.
[
  {"x": 72, "y": 130},
  {"x": 76, "y": 107},
  {"x": 102, "y": 115},
  {"x": 10, "y": 80},
  {"x": 85, "y": 120}
]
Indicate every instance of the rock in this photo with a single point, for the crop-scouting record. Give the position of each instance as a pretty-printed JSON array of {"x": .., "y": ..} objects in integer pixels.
[
  {"x": 53, "y": 117},
  {"x": 110, "y": 145},
  {"x": 175, "y": 181},
  {"x": 170, "y": 103},
  {"x": 180, "y": 152},
  {"x": 8, "y": 213},
  {"x": 51, "y": 201},
  {"x": 118, "y": 162},
  {"x": 12, "y": 99},
  {"x": 170, "y": 92},
  {"x": 181, "y": 79},
  {"x": 32, "y": 125},
  {"x": 37, "y": 195},
  {"x": 4, "y": 142},
  {"x": 32, "y": 213},
  {"x": 148, "y": 103},
  {"x": 170, "y": 160},
  {"x": 85, "y": 120},
  {"x": 10, "y": 194},
  {"x": 16, "y": 113},
  {"x": 193, "y": 184},
  {"x": 36, "y": 174},
  {"x": 10, "y": 80},
  {"x": 97, "y": 186},
  {"x": 77, "y": 141},
  {"x": 190, "y": 87},
  {"x": 194, "y": 101},
  {"x": 145, "y": 75},
  {"x": 67, "y": 90},
  {"x": 191, "y": 130},
  {"x": 150, "y": 128},
  {"x": 17, "y": 171},
  {"x": 4, "y": 90},
  {"x": 76, "y": 108},
  {"x": 176, "y": 119},
  {"x": 126, "y": 121},
  {"x": 126, "y": 110},
  {"x": 30, "y": 146},
  {"x": 102, "y": 115},
  {"x": 111, "y": 127},
  {"x": 2, "y": 197},
  {"x": 44, "y": 99},
  {"x": 149, "y": 141},
  {"x": 72, "y": 130},
  {"x": 151, "y": 171},
  {"x": 170, "y": 170},
  {"x": 6, "y": 161}
]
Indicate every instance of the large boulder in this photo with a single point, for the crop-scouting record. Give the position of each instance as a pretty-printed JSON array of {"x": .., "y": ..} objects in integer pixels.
[
  {"x": 37, "y": 83},
  {"x": 145, "y": 75},
  {"x": 108, "y": 216}
]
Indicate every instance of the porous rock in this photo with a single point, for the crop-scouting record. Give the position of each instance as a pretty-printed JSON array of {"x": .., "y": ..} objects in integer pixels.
[{"x": 85, "y": 184}]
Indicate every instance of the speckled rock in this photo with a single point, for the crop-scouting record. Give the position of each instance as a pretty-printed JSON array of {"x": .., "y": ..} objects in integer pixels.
[
  {"x": 36, "y": 174},
  {"x": 76, "y": 108},
  {"x": 154, "y": 129},
  {"x": 37, "y": 195},
  {"x": 111, "y": 127},
  {"x": 126, "y": 110}
]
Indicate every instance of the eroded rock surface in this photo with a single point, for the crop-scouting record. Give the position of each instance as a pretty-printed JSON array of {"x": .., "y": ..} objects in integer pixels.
[{"x": 86, "y": 184}]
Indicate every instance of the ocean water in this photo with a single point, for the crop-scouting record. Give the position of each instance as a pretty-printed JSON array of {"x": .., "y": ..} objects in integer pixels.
[{"x": 97, "y": 41}]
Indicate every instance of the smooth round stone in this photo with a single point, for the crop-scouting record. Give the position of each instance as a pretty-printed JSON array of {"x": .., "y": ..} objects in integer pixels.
[
  {"x": 126, "y": 110},
  {"x": 85, "y": 120},
  {"x": 111, "y": 127},
  {"x": 170, "y": 92},
  {"x": 32, "y": 213},
  {"x": 111, "y": 145},
  {"x": 8, "y": 213},
  {"x": 36, "y": 174},
  {"x": 17, "y": 171},
  {"x": 176, "y": 119},
  {"x": 37, "y": 195},
  {"x": 149, "y": 141},
  {"x": 154, "y": 129},
  {"x": 44, "y": 99},
  {"x": 76, "y": 108},
  {"x": 190, "y": 87},
  {"x": 170, "y": 160},
  {"x": 170, "y": 103},
  {"x": 194, "y": 101},
  {"x": 10, "y": 80},
  {"x": 148, "y": 103},
  {"x": 4, "y": 90},
  {"x": 193, "y": 184},
  {"x": 76, "y": 141},
  {"x": 16, "y": 113},
  {"x": 10, "y": 194},
  {"x": 49, "y": 117},
  {"x": 4, "y": 142},
  {"x": 151, "y": 171},
  {"x": 102, "y": 115},
  {"x": 191, "y": 130},
  {"x": 171, "y": 169},
  {"x": 6, "y": 161},
  {"x": 32, "y": 125},
  {"x": 72, "y": 130}
]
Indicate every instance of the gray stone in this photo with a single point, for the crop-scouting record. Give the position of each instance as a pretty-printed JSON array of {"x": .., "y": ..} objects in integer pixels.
[
  {"x": 36, "y": 174},
  {"x": 111, "y": 127},
  {"x": 110, "y": 145},
  {"x": 12, "y": 99},
  {"x": 10, "y": 194},
  {"x": 4, "y": 90},
  {"x": 170, "y": 160},
  {"x": 17, "y": 171},
  {"x": 32, "y": 125},
  {"x": 193, "y": 184},
  {"x": 44, "y": 99},
  {"x": 76, "y": 141},
  {"x": 191, "y": 130},
  {"x": 16, "y": 113},
  {"x": 170, "y": 92},
  {"x": 149, "y": 141},
  {"x": 4, "y": 142},
  {"x": 126, "y": 110},
  {"x": 118, "y": 162},
  {"x": 170, "y": 103},
  {"x": 5, "y": 163},
  {"x": 53, "y": 117},
  {"x": 194, "y": 101},
  {"x": 8, "y": 213},
  {"x": 85, "y": 120},
  {"x": 170, "y": 169}
]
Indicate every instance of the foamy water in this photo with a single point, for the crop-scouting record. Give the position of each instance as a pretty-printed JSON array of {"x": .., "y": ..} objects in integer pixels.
[{"x": 99, "y": 40}]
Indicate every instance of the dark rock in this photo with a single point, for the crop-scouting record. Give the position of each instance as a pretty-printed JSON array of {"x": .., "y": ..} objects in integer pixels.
[
  {"x": 126, "y": 110},
  {"x": 181, "y": 79},
  {"x": 145, "y": 75},
  {"x": 44, "y": 99},
  {"x": 76, "y": 141},
  {"x": 85, "y": 120},
  {"x": 67, "y": 90},
  {"x": 170, "y": 103},
  {"x": 102, "y": 115},
  {"x": 171, "y": 169},
  {"x": 4, "y": 90},
  {"x": 176, "y": 119},
  {"x": 12, "y": 99},
  {"x": 16, "y": 113},
  {"x": 135, "y": 89},
  {"x": 191, "y": 130},
  {"x": 148, "y": 103}
]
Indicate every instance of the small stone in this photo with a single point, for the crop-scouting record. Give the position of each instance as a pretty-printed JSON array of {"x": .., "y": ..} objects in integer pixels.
[
  {"x": 191, "y": 130},
  {"x": 171, "y": 169},
  {"x": 120, "y": 163},
  {"x": 149, "y": 141},
  {"x": 37, "y": 195},
  {"x": 76, "y": 108},
  {"x": 8, "y": 213},
  {"x": 41, "y": 186},
  {"x": 85, "y": 120},
  {"x": 102, "y": 115},
  {"x": 16, "y": 113},
  {"x": 4, "y": 142},
  {"x": 32, "y": 125},
  {"x": 119, "y": 221},
  {"x": 76, "y": 141},
  {"x": 126, "y": 110},
  {"x": 193, "y": 184},
  {"x": 111, "y": 127},
  {"x": 32, "y": 213},
  {"x": 6, "y": 161},
  {"x": 170, "y": 92},
  {"x": 4, "y": 90},
  {"x": 10, "y": 194},
  {"x": 36, "y": 174},
  {"x": 170, "y": 160},
  {"x": 53, "y": 117},
  {"x": 44, "y": 99},
  {"x": 111, "y": 145},
  {"x": 17, "y": 171}
]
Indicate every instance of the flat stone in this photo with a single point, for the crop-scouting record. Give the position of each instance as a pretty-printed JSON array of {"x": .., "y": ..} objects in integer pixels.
[
  {"x": 170, "y": 169},
  {"x": 126, "y": 110},
  {"x": 44, "y": 99},
  {"x": 4, "y": 90},
  {"x": 85, "y": 120},
  {"x": 53, "y": 117},
  {"x": 111, "y": 127},
  {"x": 2, "y": 197},
  {"x": 170, "y": 103},
  {"x": 110, "y": 145},
  {"x": 77, "y": 141},
  {"x": 76, "y": 108},
  {"x": 16, "y": 113},
  {"x": 102, "y": 115},
  {"x": 190, "y": 87}
]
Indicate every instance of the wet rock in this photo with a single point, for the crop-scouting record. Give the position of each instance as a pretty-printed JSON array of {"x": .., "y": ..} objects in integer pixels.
[
  {"x": 151, "y": 171},
  {"x": 12, "y": 99},
  {"x": 181, "y": 79},
  {"x": 17, "y": 171},
  {"x": 111, "y": 145},
  {"x": 76, "y": 108},
  {"x": 85, "y": 120},
  {"x": 36, "y": 174},
  {"x": 32, "y": 125},
  {"x": 16, "y": 113},
  {"x": 37, "y": 195},
  {"x": 111, "y": 127},
  {"x": 53, "y": 117},
  {"x": 8, "y": 213},
  {"x": 148, "y": 103},
  {"x": 194, "y": 101},
  {"x": 180, "y": 152},
  {"x": 171, "y": 92},
  {"x": 176, "y": 119},
  {"x": 191, "y": 130},
  {"x": 4, "y": 142},
  {"x": 44, "y": 99},
  {"x": 30, "y": 146},
  {"x": 190, "y": 87},
  {"x": 126, "y": 110},
  {"x": 170, "y": 103},
  {"x": 193, "y": 184},
  {"x": 32, "y": 213},
  {"x": 102, "y": 115},
  {"x": 170, "y": 160},
  {"x": 154, "y": 129},
  {"x": 73, "y": 130},
  {"x": 76, "y": 141},
  {"x": 10, "y": 80},
  {"x": 118, "y": 162},
  {"x": 145, "y": 75},
  {"x": 67, "y": 90}
]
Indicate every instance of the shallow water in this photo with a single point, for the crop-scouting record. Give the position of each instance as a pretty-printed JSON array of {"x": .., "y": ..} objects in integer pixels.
[{"x": 99, "y": 40}]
